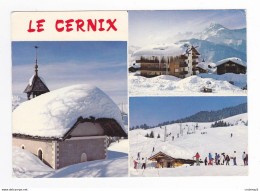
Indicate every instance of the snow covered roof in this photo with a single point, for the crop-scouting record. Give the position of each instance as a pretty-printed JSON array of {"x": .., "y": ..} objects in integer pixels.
[
  {"x": 54, "y": 113},
  {"x": 233, "y": 59},
  {"x": 203, "y": 65},
  {"x": 161, "y": 50}
]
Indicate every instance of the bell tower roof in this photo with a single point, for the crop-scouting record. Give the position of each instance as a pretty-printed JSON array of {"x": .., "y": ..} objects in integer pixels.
[{"x": 36, "y": 85}]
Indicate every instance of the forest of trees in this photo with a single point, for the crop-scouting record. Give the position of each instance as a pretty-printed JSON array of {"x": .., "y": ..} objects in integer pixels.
[
  {"x": 220, "y": 124},
  {"x": 202, "y": 116}
]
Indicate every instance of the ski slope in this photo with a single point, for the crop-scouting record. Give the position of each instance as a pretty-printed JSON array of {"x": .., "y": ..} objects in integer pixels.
[
  {"x": 214, "y": 140},
  {"x": 27, "y": 165}
]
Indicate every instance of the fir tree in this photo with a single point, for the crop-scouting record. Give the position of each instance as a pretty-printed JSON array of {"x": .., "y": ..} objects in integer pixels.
[{"x": 151, "y": 134}]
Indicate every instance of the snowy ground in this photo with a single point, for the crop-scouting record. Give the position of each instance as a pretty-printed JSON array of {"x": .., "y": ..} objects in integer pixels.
[
  {"x": 214, "y": 140},
  {"x": 190, "y": 86},
  {"x": 27, "y": 165},
  {"x": 186, "y": 170}
]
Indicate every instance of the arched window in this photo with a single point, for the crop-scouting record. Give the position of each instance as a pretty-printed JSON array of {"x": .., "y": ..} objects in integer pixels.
[
  {"x": 83, "y": 157},
  {"x": 40, "y": 154},
  {"x": 22, "y": 146}
]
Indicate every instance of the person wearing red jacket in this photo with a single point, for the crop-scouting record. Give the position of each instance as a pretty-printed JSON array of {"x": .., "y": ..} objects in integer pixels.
[{"x": 197, "y": 156}]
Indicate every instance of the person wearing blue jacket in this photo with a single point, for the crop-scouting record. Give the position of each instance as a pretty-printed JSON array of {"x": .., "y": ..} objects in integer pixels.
[
  {"x": 210, "y": 159},
  {"x": 216, "y": 158}
]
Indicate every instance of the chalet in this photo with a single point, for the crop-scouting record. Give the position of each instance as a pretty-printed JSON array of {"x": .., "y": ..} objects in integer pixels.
[
  {"x": 231, "y": 65},
  {"x": 176, "y": 60},
  {"x": 165, "y": 161},
  {"x": 202, "y": 67},
  {"x": 67, "y": 126}
]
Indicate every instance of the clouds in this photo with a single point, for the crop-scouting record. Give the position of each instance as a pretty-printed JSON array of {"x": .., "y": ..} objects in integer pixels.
[
  {"x": 146, "y": 27},
  {"x": 99, "y": 66}
]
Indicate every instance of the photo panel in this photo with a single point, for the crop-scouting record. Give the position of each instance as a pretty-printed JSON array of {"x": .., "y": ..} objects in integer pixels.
[{"x": 69, "y": 94}]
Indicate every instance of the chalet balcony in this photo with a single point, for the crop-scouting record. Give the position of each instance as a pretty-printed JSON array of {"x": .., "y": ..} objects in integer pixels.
[
  {"x": 154, "y": 69},
  {"x": 147, "y": 61},
  {"x": 194, "y": 57},
  {"x": 183, "y": 72},
  {"x": 195, "y": 69},
  {"x": 184, "y": 64},
  {"x": 194, "y": 63},
  {"x": 183, "y": 57}
]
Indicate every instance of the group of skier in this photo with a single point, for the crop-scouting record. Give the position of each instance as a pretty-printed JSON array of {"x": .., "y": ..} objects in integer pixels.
[
  {"x": 221, "y": 159},
  {"x": 142, "y": 162}
]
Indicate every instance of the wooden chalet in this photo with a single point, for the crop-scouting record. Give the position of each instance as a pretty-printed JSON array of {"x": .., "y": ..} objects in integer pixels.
[
  {"x": 176, "y": 64},
  {"x": 165, "y": 161},
  {"x": 231, "y": 65},
  {"x": 36, "y": 86},
  {"x": 201, "y": 70}
]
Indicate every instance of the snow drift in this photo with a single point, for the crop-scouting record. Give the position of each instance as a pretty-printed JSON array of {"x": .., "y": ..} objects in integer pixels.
[{"x": 54, "y": 113}]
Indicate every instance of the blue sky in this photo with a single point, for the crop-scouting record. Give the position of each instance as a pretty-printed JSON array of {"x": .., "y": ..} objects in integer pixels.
[
  {"x": 156, "y": 26},
  {"x": 103, "y": 64},
  {"x": 154, "y": 110}
]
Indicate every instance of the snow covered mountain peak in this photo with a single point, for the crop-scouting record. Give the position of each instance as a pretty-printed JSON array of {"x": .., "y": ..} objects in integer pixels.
[{"x": 215, "y": 26}]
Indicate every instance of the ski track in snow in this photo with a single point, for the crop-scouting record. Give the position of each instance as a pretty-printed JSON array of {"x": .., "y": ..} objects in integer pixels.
[
  {"x": 217, "y": 140},
  {"x": 27, "y": 165}
]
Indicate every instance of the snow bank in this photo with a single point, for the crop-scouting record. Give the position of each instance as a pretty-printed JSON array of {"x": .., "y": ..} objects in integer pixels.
[
  {"x": 161, "y": 50},
  {"x": 240, "y": 80},
  {"x": 27, "y": 165},
  {"x": 173, "y": 86},
  {"x": 233, "y": 59},
  {"x": 54, "y": 113}
]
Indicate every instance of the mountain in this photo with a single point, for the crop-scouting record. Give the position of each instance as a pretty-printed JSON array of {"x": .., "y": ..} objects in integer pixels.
[
  {"x": 210, "y": 116},
  {"x": 204, "y": 116},
  {"x": 16, "y": 101},
  {"x": 217, "y": 42},
  {"x": 212, "y": 52},
  {"x": 219, "y": 34}
]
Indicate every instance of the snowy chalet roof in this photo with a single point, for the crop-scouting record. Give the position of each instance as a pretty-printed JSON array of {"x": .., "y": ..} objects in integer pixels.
[
  {"x": 54, "y": 114},
  {"x": 203, "y": 65},
  {"x": 161, "y": 50},
  {"x": 36, "y": 84},
  {"x": 233, "y": 59},
  {"x": 168, "y": 157}
]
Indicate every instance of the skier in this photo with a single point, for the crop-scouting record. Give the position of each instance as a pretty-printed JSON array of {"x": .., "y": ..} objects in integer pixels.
[
  {"x": 227, "y": 160},
  {"x": 231, "y": 135},
  {"x": 135, "y": 164},
  {"x": 218, "y": 159},
  {"x": 210, "y": 159},
  {"x": 143, "y": 163},
  {"x": 223, "y": 158},
  {"x": 197, "y": 156},
  {"x": 138, "y": 156},
  {"x": 234, "y": 157},
  {"x": 172, "y": 138},
  {"x": 153, "y": 149},
  {"x": 206, "y": 161},
  {"x": 244, "y": 158}
]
